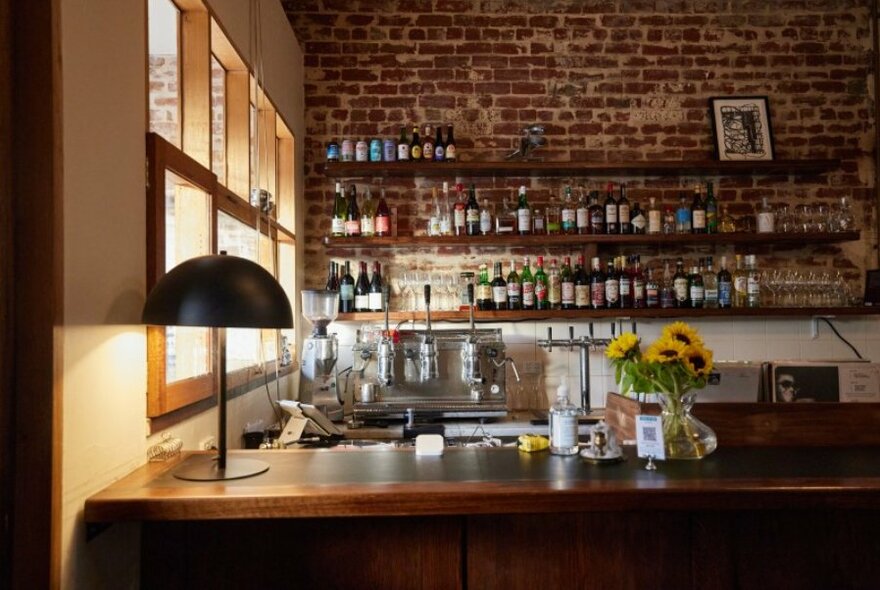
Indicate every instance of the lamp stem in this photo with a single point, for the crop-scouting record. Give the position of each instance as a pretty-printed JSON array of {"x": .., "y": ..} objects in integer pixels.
[{"x": 221, "y": 458}]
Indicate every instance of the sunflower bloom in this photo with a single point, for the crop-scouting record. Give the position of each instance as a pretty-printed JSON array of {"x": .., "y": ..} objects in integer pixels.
[
  {"x": 683, "y": 333},
  {"x": 622, "y": 346},
  {"x": 665, "y": 350},
  {"x": 698, "y": 361}
]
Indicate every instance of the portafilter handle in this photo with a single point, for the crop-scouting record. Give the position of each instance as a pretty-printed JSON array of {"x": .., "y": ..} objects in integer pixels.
[
  {"x": 428, "y": 306},
  {"x": 470, "y": 298}
]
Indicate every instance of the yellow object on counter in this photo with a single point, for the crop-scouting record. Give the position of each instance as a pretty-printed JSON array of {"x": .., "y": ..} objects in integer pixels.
[{"x": 532, "y": 442}]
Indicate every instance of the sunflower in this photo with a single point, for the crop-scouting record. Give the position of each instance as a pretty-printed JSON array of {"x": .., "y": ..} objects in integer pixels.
[
  {"x": 683, "y": 333},
  {"x": 622, "y": 346},
  {"x": 665, "y": 350},
  {"x": 698, "y": 361}
]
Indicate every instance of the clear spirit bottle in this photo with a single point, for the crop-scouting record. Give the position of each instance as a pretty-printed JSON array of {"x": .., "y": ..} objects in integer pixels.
[{"x": 563, "y": 424}]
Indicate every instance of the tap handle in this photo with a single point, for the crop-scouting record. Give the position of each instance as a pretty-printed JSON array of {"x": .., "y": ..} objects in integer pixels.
[
  {"x": 570, "y": 334},
  {"x": 613, "y": 331},
  {"x": 513, "y": 366},
  {"x": 470, "y": 294},
  {"x": 634, "y": 328},
  {"x": 549, "y": 339},
  {"x": 427, "y": 295},
  {"x": 591, "y": 330}
]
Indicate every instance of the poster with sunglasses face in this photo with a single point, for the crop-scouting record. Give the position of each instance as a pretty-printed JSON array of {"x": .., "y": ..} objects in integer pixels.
[{"x": 806, "y": 383}]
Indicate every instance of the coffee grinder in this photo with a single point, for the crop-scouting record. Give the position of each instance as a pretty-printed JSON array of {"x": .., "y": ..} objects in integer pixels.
[{"x": 317, "y": 384}]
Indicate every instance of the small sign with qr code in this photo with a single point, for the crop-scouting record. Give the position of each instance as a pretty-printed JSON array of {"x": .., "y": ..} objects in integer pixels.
[{"x": 649, "y": 437}]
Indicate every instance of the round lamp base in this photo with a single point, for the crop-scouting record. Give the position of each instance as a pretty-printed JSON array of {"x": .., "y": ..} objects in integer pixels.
[{"x": 204, "y": 468}]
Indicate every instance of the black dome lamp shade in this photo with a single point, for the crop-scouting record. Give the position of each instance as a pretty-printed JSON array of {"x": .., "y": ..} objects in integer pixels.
[{"x": 219, "y": 291}]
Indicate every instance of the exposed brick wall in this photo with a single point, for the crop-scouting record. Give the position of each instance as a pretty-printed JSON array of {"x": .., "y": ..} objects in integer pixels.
[
  {"x": 610, "y": 80},
  {"x": 164, "y": 97}
]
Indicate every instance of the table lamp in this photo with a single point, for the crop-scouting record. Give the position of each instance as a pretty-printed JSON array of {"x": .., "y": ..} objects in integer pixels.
[{"x": 219, "y": 291}]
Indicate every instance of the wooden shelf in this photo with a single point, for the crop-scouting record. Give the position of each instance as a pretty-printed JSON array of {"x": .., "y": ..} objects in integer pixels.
[
  {"x": 410, "y": 242},
  {"x": 596, "y": 314},
  {"x": 543, "y": 169}
]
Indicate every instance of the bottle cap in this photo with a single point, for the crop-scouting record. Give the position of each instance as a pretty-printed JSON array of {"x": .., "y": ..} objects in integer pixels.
[{"x": 562, "y": 391}]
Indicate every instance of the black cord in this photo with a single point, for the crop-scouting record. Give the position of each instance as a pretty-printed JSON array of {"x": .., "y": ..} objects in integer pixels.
[
  {"x": 275, "y": 409},
  {"x": 844, "y": 340}
]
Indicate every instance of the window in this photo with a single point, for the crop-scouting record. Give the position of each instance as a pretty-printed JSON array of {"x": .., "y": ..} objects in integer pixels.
[{"x": 217, "y": 136}]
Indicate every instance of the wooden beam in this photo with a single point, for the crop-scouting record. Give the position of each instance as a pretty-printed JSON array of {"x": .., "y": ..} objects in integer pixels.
[
  {"x": 7, "y": 344},
  {"x": 196, "y": 85}
]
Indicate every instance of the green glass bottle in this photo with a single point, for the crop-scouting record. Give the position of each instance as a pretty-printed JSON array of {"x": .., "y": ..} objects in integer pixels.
[
  {"x": 484, "y": 290},
  {"x": 340, "y": 211},
  {"x": 514, "y": 288},
  {"x": 711, "y": 210},
  {"x": 528, "y": 286},
  {"x": 542, "y": 286}
]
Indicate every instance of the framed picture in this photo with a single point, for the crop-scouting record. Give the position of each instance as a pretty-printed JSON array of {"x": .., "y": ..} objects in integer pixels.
[
  {"x": 833, "y": 381},
  {"x": 741, "y": 126}
]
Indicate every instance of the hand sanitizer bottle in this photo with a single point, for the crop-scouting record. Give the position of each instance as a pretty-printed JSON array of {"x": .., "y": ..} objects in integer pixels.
[{"x": 563, "y": 424}]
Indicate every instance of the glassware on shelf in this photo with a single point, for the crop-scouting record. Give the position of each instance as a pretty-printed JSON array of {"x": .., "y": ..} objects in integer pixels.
[
  {"x": 842, "y": 216},
  {"x": 726, "y": 223}
]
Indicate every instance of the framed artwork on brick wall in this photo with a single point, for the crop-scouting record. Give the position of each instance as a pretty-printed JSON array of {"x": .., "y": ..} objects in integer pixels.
[{"x": 741, "y": 127}]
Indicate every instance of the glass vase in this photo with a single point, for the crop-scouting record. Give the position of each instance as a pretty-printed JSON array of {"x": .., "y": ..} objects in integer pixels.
[{"x": 684, "y": 436}]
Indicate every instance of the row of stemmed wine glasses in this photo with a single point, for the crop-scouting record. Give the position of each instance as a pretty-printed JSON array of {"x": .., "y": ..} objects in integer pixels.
[
  {"x": 815, "y": 218},
  {"x": 795, "y": 288},
  {"x": 408, "y": 288}
]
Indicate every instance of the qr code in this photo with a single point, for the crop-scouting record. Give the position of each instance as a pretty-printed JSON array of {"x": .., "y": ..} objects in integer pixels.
[{"x": 649, "y": 434}]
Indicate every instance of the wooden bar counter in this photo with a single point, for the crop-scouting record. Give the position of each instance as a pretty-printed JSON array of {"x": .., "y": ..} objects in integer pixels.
[{"x": 498, "y": 518}]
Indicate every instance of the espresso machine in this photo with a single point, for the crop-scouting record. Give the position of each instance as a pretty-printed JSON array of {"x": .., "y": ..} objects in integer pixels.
[{"x": 318, "y": 375}]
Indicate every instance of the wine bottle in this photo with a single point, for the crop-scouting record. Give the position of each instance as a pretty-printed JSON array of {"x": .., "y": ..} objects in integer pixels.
[
  {"x": 439, "y": 146},
  {"x": 484, "y": 290},
  {"x": 362, "y": 290},
  {"x": 639, "y": 221},
  {"x": 655, "y": 217},
  {"x": 698, "y": 213},
  {"x": 332, "y": 278},
  {"x": 523, "y": 213},
  {"x": 402, "y": 146},
  {"x": 472, "y": 213},
  {"x": 368, "y": 215},
  {"x": 597, "y": 285},
  {"x": 445, "y": 219},
  {"x": 611, "y": 223},
  {"x": 725, "y": 286},
  {"x": 566, "y": 285},
  {"x": 711, "y": 210},
  {"x": 554, "y": 285},
  {"x": 597, "y": 214},
  {"x": 499, "y": 289},
  {"x": 639, "y": 284},
  {"x": 340, "y": 210},
  {"x": 624, "y": 220},
  {"x": 528, "y": 286},
  {"x": 374, "y": 297},
  {"x": 696, "y": 289},
  {"x": 542, "y": 286},
  {"x": 625, "y": 280},
  {"x": 514, "y": 288},
  {"x": 383, "y": 216},
  {"x": 582, "y": 213},
  {"x": 581, "y": 285},
  {"x": 612, "y": 285},
  {"x": 450, "y": 154},
  {"x": 740, "y": 284},
  {"x": 353, "y": 215},
  {"x": 459, "y": 213},
  {"x": 346, "y": 290},
  {"x": 415, "y": 147},
  {"x": 680, "y": 284}
]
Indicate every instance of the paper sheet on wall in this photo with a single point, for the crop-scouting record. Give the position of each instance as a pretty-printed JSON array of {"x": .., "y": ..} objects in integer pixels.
[{"x": 859, "y": 383}]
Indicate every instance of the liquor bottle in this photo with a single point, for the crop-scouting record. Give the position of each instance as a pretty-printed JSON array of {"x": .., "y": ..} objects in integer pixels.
[
  {"x": 639, "y": 286},
  {"x": 554, "y": 285},
  {"x": 667, "y": 288},
  {"x": 332, "y": 278},
  {"x": 434, "y": 217},
  {"x": 539, "y": 228},
  {"x": 696, "y": 290},
  {"x": 484, "y": 290},
  {"x": 528, "y": 286},
  {"x": 415, "y": 147},
  {"x": 353, "y": 215},
  {"x": 582, "y": 212},
  {"x": 505, "y": 220},
  {"x": 766, "y": 218},
  {"x": 639, "y": 221},
  {"x": 340, "y": 210},
  {"x": 669, "y": 221},
  {"x": 655, "y": 217},
  {"x": 624, "y": 277},
  {"x": 552, "y": 217},
  {"x": 383, "y": 216},
  {"x": 652, "y": 290},
  {"x": 581, "y": 285},
  {"x": 710, "y": 286},
  {"x": 346, "y": 290},
  {"x": 368, "y": 215},
  {"x": 542, "y": 286},
  {"x": 563, "y": 419},
  {"x": 445, "y": 220},
  {"x": 499, "y": 289},
  {"x": 568, "y": 215},
  {"x": 726, "y": 224},
  {"x": 439, "y": 146},
  {"x": 612, "y": 285},
  {"x": 680, "y": 284},
  {"x": 523, "y": 214},
  {"x": 566, "y": 284},
  {"x": 362, "y": 290},
  {"x": 624, "y": 219},
  {"x": 427, "y": 145},
  {"x": 597, "y": 214},
  {"x": 514, "y": 288},
  {"x": 711, "y": 210},
  {"x": 472, "y": 213},
  {"x": 333, "y": 151},
  {"x": 725, "y": 286},
  {"x": 683, "y": 215},
  {"x": 485, "y": 218},
  {"x": 450, "y": 145},
  {"x": 403, "y": 146},
  {"x": 597, "y": 285},
  {"x": 753, "y": 282},
  {"x": 698, "y": 213},
  {"x": 740, "y": 284},
  {"x": 611, "y": 224},
  {"x": 374, "y": 297},
  {"x": 459, "y": 213}
]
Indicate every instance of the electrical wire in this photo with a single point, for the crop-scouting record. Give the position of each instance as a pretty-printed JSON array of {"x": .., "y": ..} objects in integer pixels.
[{"x": 842, "y": 339}]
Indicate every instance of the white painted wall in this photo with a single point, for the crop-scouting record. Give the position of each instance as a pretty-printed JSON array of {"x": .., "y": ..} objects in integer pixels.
[{"x": 104, "y": 346}]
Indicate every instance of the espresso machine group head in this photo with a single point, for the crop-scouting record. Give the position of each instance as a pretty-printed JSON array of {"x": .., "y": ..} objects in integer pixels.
[{"x": 318, "y": 378}]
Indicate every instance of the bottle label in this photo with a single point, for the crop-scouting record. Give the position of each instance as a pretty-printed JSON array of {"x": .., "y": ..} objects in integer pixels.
[
  {"x": 699, "y": 219},
  {"x": 484, "y": 292},
  {"x": 740, "y": 284},
  {"x": 683, "y": 218},
  {"x": 337, "y": 225},
  {"x": 563, "y": 433},
  {"x": 402, "y": 152},
  {"x": 528, "y": 294},
  {"x": 361, "y": 151},
  {"x": 434, "y": 226},
  {"x": 766, "y": 223},
  {"x": 415, "y": 152},
  {"x": 428, "y": 149},
  {"x": 389, "y": 151},
  {"x": 597, "y": 294},
  {"x": 610, "y": 213},
  {"x": 638, "y": 290},
  {"x": 485, "y": 221},
  {"x": 583, "y": 217},
  {"x": 439, "y": 153},
  {"x": 333, "y": 152},
  {"x": 374, "y": 300},
  {"x": 639, "y": 222},
  {"x": 652, "y": 296},
  {"x": 569, "y": 219},
  {"x": 375, "y": 151},
  {"x": 459, "y": 216},
  {"x": 444, "y": 225},
  {"x": 623, "y": 213},
  {"x": 667, "y": 298},
  {"x": 352, "y": 228},
  {"x": 450, "y": 152},
  {"x": 541, "y": 291},
  {"x": 710, "y": 295},
  {"x": 554, "y": 289},
  {"x": 654, "y": 225},
  {"x": 568, "y": 296},
  {"x": 513, "y": 291},
  {"x": 697, "y": 293},
  {"x": 499, "y": 294},
  {"x": 681, "y": 289},
  {"x": 472, "y": 216},
  {"x": 346, "y": 292},
  {"x": 368, "y": 228},
  {"x": 724, "y": 294},
  {"x": 361, "y": 301},
  {"x": 753, "y": 287},
  {"x": 383, "y": 225},
  {"x": 625, "y": 287},
  {"x": 524, "y": 220},
  {"x": 612, "y": 291},
  {"x": 582, "y": 295}
]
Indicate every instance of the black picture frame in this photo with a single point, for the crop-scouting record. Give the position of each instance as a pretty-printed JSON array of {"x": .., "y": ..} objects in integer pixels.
[{"x": 741, "y": 128}]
